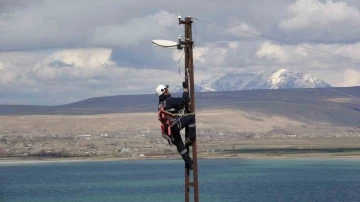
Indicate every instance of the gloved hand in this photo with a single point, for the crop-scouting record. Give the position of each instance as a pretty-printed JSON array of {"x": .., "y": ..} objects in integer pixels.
[{"x": 185, "y": 84}]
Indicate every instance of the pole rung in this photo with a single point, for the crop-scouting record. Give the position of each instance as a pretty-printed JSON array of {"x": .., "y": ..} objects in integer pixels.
[{"x": 190, "y": 184}]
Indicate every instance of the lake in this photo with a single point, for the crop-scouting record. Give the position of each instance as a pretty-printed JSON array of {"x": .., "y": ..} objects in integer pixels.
[{"x": 222, "y": 180}]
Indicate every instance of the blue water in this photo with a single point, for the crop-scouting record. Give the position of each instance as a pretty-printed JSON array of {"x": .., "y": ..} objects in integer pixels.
[{"x": 163, "y": 180}]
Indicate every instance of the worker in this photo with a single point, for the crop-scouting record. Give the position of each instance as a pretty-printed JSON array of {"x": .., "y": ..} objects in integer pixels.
[{"x": 174, "y": 114}]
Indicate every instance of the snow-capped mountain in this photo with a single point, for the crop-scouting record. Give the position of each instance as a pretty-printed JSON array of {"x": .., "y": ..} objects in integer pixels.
[
  {"x": 279, "y": 79},
  {"x": 198, "y": 88}
]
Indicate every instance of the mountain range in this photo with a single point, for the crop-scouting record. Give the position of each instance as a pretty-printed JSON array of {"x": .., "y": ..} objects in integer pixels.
[
  {"x": 279, "y": 79},
  {"x": 296, "y": 96},
  {"x": 334, "y": 106}
]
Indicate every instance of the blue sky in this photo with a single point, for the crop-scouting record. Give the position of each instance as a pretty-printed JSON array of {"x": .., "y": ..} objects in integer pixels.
[{"x": 56, "y": 52}]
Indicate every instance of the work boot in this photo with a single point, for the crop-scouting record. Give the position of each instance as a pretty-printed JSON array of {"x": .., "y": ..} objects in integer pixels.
[{"x": 189, "y": 165}]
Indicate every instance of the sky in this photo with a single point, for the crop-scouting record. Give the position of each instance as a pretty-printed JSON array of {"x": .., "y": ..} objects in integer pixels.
[{"x": 58, "y": 52}]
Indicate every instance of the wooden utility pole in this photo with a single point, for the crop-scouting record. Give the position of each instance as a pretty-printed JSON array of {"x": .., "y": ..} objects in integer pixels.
[{"x": 189, "y": 78}]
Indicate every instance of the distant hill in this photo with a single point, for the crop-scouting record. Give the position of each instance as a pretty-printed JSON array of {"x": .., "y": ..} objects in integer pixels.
[
  {"x": 279, "y": 79},
  {"x": 310, "y": 105}
]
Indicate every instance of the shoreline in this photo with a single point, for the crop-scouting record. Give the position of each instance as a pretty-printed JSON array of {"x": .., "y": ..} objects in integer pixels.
[{"x": 22, "y": 160}]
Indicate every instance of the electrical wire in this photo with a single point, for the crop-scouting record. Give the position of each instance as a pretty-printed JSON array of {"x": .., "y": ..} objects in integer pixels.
[
  {"x": 195, "y": 36},
  {"x": 261, "y": 36},
  {"x": 180, "y": 60},
  {"x": 344, "y": 93}
]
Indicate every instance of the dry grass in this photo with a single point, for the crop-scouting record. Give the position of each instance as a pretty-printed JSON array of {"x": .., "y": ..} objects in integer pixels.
[
  {"x": 217, "y": 130},
  {"x": 233, "y": 120}
]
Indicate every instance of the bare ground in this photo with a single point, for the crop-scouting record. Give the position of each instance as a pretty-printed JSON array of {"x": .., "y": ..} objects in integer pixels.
[{"x": 221, "y": 133}]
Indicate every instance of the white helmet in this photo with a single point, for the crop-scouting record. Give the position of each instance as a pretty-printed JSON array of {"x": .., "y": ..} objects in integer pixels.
[{"x": 160, "y": 89}]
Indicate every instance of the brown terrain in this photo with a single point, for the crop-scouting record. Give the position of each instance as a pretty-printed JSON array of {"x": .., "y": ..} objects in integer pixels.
[{"x": 221, "y": 133}]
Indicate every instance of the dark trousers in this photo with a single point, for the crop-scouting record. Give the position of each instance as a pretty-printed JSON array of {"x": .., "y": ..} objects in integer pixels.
[
  {"x": 177, "y": 141},
  {"x": 187, "y": 122}
]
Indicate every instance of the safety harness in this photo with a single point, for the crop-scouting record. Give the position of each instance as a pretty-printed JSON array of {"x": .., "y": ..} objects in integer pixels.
[{"x": 166, "y": 119}]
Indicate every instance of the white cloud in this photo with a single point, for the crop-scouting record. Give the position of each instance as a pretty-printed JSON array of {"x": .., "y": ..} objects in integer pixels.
[
  {"x": 200, "y": 54},
  {"x": 313, "y": 20},
  {"x": 92, "y": 58},
  {"x": 135, "y": 31},
  {"x": 315, "y": 14},
  {"x": 21, "y": 58},
  {"x": 241, "y": 29},
  {"x": 73, "y": 63},
  {"x": 72, "y": 74},
  {"x": 326, "y": 67},
  {"x": 13, "y": 71},
  {"x": 300, "y": 51},
  {"x": 272, "y": 51},
  {"x": 84, "y": 23},
  {"x": 95, "y": 65},
  {"x": 351, "y": 78},
  {"x": 74, "y": 58},
  {"x": 2, "y": 65},
  {"x": 351, "y": 50},
  {"x": 307, "y": 55},
  {"x": 210, "y": 55},
  {"x": 8, "y": 78},
  {"x": 235, "y": 56}
]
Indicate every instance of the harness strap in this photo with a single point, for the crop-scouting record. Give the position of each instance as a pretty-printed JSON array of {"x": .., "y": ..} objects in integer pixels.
[
  {"x": 169, "y": 131},
  {"x": 165, "y": 112},
  {"x": 181, "y": 115},
  {"x": 164, "y": 121}
]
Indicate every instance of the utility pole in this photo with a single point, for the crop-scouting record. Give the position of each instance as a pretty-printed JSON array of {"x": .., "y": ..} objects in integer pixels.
[
  {"x": 189, "y": 78},
  {"x": 187, "y": 44}
]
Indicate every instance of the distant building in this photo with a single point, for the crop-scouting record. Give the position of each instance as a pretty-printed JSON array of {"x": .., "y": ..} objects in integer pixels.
[{"x": 84, "y": 135}]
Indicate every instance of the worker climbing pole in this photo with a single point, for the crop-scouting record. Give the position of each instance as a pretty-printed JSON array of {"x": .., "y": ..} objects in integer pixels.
[
  {"x": 188, "y": 44},
  {"x": 188, "y": 117}
]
